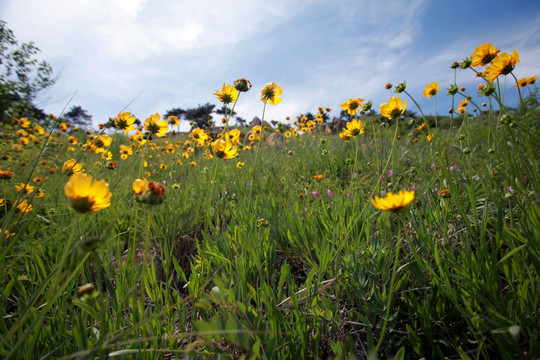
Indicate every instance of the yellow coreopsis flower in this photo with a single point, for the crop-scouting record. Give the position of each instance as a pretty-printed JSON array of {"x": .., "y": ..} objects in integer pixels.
[
  {"x": 27, "y": 189},
  {"x": 227, "y": 95},
  {"x": 431, "y": 89},
  {"x": 483, "y": 54},
  {"x": 199, "y": 136},
  {"x": 503, "y": 64},
  {"x": 240, "y": 164},
  {"x": 23, "y": 206},
  {"x": 124, "y": 121},
  {"x": 526, "y": 81},
  {"x": 155, "y": 126},
  {"x": 86, "y": 194},
  {"x": 393, "y": 109},
  {"x": 354, "y": 128},
  {"x": 224, "y": 149},
  {"x": 352, "y": 106},
  {"x": 270, "y": 92},
  {"x": 72, "y": 167},
  {"x": 393, "y": 202},
  {"x": 174, "y": 120}
]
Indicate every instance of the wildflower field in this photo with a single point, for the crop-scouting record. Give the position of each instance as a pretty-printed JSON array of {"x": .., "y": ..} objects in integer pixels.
[{"x": 384, "y": 236}]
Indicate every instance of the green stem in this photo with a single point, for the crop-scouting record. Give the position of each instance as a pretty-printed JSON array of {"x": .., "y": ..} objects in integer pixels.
[{"x": 391, "y": 293}]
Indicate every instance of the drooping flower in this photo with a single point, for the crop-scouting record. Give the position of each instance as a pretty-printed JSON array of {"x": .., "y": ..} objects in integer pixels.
[
  {"x": 270, "y": 92},
  {"x": 155, "y": 126},
  {"x": 5, "y": 175},
  {"x": 124, "y": 121},
  {"x": 393, "y": 109},
  {"x": 483, "y": 55},
  {"x": 393, "y": 202},
  {"x": 503, "y": 64},
  {"x": 86, "y": 194},
  {"x": 224, "y": 149},
  {"x": 526, "y": 81},
  {"x": 227, "y": 95},
  {"x": 352, "y": 106},
  {"x": 431, "y": 89}
]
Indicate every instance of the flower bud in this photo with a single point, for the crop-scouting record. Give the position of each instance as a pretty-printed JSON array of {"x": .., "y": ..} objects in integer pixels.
[
  {"x": 466, "y": 63},
  {"x": 242, "y": 85},
  {"x": 401, "y": 87},
  {"x": 452, "y": 90}
]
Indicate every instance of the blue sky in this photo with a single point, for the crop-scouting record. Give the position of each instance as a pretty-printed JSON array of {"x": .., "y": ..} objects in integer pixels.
[{"x": 321, "y": 52}]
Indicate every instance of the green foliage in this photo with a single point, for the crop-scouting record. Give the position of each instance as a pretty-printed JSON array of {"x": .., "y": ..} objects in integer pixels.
[{"x": 22, "y": 77}]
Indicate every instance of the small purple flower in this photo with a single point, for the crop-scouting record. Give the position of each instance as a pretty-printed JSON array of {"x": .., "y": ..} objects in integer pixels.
[
  {"x": 412, "y": 188},
  {"x": 354, "y": 175},
  {"x": 452, "y": 168},
  {"x": 510, "y": 190},
  {"x": 330, "y": 193},
  {"x": 433, "y": 166},
  {"x": 316, "y": 194},
  {"x": 390, "y": 173}
]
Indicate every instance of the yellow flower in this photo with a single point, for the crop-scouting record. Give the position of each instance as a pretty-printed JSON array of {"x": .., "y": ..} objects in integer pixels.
[
  {"x": 27, "y": 189},
  {"x": 393, "y": 109},
  {"x": 354, "y": 128},
  {"x": 148, "y": 192},
  {"x": 87, "y": 195},
  {"x": 124, "y": 121},
  {"x": 240, "y": 164},
  {"x": 430, "y": 137},
  {"x": 155, "y": 126},
  {"x": 173, "y": 120},
  {"x": 421, "y": 127},
  {"x": 199, "y": 136},
  {"x": 526, "y": 81},
  {"x": 393, "y": 202},
  {"x": 227, "y": 95},
  {"x": 352, "y": 106},
  {"x": 431, "y": 89},
  {"x": 73, "y": 140},
  {"x": 72, "y": 167},
  {"x": 503, "y": 64},
  {"x": 224, "y": 149},
  {"x": 23, "y": 206},
  {"x": 345, "y": 135},
  {"x": 483, "y": 54},
  {"x": 318, "y": 177},
  {"x": 5, "y": 175},
  {"x": 270, "y": 92}
]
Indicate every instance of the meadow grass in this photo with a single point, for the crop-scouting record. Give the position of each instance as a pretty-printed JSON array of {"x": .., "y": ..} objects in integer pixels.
[{"x": 285, "y": 257}]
